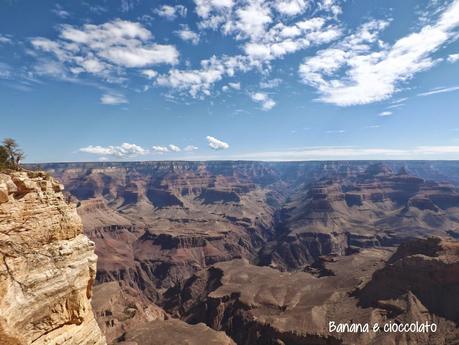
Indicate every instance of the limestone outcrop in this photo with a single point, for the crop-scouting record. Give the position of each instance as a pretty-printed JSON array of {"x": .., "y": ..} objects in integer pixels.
[{"x": 47, "y": 265}]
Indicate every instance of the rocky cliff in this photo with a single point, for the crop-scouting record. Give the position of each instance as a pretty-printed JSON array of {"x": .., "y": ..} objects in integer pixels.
[{"x": 47, "y": 265}]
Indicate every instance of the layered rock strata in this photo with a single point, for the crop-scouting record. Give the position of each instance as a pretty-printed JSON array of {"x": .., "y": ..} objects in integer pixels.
[
  {"x": 47, "y": 266},
  {"x": 262, "y": 306}
]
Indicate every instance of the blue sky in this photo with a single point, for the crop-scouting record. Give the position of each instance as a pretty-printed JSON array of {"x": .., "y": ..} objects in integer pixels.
[{"x": 229, "y": 79}]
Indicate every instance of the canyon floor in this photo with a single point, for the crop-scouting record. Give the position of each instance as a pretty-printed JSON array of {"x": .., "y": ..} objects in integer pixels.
[{"x": 269, "y": 253}]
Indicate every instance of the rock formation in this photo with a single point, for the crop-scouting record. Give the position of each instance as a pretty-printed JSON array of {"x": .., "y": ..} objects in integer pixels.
[
  {"x": 375, "y": 207},
  {"x": 260, "y": 305},
  {"x": 173, "y": 332},
  {"x": 47, "y": 267},
  {"x": 191, "y": 238}
]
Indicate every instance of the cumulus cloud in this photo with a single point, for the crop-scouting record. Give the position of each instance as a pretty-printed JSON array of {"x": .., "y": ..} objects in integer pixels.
[
  {"x": 439, "y": 90},
  {"x": 216, "y": 144},
  {"x": 262, "y": 98},
  {"x": 125, "y": 150},
  {"x": 372, "y": 68},
  {"x": 187, "y": 35},
  {"x": 174, "y": 148},
  {"x": 106, "y": 48},
  {"x": 149, "y": 73},
  {"x": 263, "y": 36},
  {"x": 113, "y": 99},
  {"x": 164, "y": 149},
  {"x": 171, "y": 12},
  {"x": 281, "y": 39},
  {"x": 453, "y": 58},
  {"x": 160, "y": 149},
  {"x": 291, "y": 7},
  {"x": 198, "y": 82}
]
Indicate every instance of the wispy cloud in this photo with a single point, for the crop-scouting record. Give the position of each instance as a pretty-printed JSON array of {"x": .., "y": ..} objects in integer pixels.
[
  {"x": 335, "y": 131},
  {"x": 439, "y": 90},
  {"x": 113, "y": 99},
  {"x": 59, "y": 11},
  {"x": 190, "y": 148},
  {"x": 351, "y": 152},
  {"x": 171, "y": 12},
  {"x": 5, "y": 39},
  {"x": 373, "y": 69},
  {"x": 385, "y": 113}
]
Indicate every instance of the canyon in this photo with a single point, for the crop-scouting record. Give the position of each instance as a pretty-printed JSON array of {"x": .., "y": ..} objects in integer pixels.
[{"x": 269, "y": 253}]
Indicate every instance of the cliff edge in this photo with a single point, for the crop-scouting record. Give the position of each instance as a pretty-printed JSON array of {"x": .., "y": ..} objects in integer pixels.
[{"x": 47, "y": 265}]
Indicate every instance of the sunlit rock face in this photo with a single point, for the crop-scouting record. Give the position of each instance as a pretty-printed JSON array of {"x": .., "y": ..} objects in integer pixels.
[{"x": 47, "y": 265}]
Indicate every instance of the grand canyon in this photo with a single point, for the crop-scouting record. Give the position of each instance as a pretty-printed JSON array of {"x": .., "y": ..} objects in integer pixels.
[{"x": 241, "y": 252}]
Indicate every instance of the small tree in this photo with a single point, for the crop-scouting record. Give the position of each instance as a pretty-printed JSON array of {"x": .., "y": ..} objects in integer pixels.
[
  {"x": 10, "y": 154},
  {"x": 4, "y": 157}
]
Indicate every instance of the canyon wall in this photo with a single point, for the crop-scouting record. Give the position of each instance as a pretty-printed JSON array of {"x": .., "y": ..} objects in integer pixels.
[{"x": 47, "y": 265}]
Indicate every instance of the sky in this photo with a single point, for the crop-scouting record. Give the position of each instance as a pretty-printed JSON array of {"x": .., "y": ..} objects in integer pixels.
[{"x": 229, "y": 79}]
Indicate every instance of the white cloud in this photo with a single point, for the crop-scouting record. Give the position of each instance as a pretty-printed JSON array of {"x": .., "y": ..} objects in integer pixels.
[
  {"x": 439, "y": 90},
  {"x": 187, "y": 35},
  {"x": 291, "y": 7},
  {"x": 216, "y": 144},
  {"x": 270, "y": 84},
  {"x": 266, "y": 102},
  {"x": 4, "y": 39},
  {"x": 190, "y": 148},
  {"x": 281, "y": 40},
  {"x": 453, "y": 58},
  {"x": 174, "y": 148},
  {"x": 169, "y": 148},
  {"x": 385, "y": 113},
  {"x": 106, "y": 48},
  {"x": 125, "y": 150},
  {"x": 160, "y": 149},
  {"x": 265, "y": 38},
  {"x": 373, "y": 69},
  {"x": 149, "y": 73},
  {"x": 198, "y": 82},
  {"x": 234, "y": 86},
  {"x": 60, "y": 12},
  {"x": 252, "y": 19},
  {"x": 113, "y": 99},
  {"x": 171, "y": 12},
  {"x": 213, "y": 12}
]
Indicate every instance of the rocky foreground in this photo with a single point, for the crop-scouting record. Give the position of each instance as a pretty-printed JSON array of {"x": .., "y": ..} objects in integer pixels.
[{"x": 47, "y": 267}]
